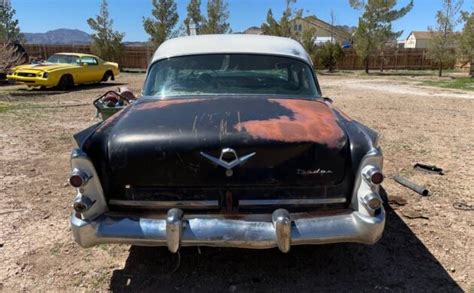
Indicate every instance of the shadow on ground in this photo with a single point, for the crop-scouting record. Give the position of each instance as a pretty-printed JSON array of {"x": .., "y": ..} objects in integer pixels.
[
  {"x": 24, "y": 91},
  {"x": 399, "y": 262},
  {"x": 375, "y": 72}
]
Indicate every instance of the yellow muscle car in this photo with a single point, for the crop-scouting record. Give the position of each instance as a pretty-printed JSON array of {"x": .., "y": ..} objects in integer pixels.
[{"x": 65, "y": 70}]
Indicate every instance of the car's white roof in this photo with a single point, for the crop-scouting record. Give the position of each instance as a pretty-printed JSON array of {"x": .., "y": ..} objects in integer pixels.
[{"x": 231, "y": 44}]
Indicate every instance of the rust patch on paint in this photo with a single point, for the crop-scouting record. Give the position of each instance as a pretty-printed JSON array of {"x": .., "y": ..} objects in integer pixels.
[
  {"x": 158, "y": 104},
  {"x": 312, "y": 121}
]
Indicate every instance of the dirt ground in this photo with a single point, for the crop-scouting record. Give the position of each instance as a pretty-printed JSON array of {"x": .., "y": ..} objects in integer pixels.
[{"x": 427, "y": 244}]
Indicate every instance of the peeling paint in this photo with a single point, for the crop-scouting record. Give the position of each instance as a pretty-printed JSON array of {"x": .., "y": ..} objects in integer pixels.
[{"x": 312, "y": 122}]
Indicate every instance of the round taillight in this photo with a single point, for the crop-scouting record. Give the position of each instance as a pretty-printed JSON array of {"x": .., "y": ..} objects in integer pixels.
[
  {"x": 373, "y": 175},
  {"x": 376, "y": 177},
  {"x": 76, "y": 180}
]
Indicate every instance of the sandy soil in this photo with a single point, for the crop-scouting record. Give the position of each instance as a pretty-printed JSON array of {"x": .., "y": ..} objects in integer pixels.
[{"x": 427, "y": 245}]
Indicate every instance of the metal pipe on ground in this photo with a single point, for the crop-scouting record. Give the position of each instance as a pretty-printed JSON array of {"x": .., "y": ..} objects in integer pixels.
[{"x": 413, "y": 186}]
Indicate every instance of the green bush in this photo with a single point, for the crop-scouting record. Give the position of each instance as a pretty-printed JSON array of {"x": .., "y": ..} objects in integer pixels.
[{"x": 328, "y": 54}]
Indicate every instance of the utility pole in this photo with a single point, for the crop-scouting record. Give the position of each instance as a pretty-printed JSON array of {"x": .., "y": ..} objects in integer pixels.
[
  {"x": 192, "y": 28},
  {"x": 333, "y": 20}
]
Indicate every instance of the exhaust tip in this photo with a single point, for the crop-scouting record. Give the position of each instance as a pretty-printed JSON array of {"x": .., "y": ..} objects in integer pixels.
[
  {"x": 373, "y": 201},
  {"x": 82, "y": 204}
]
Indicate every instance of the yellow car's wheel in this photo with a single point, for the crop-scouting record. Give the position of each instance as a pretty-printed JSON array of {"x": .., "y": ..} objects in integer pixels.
[
  {"x": 66, "y": 82},
  {"x": 108, "y": 75}
]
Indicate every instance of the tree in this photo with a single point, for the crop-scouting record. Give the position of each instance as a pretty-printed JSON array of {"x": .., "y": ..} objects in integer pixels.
[
  {"x": 166, "y": 17},
  {"x": 106, "y": 42},
  {"x": 328, "y": 55},
  {"x": 194, "y": 14},
  {"x": 375, "y": 26},
  {"x": 10, "y": 56},
  {"x": 330, "y": 52},
  {"x": 271, "y": 27},
  {"x": 9, "y": 29},
  {"x": 442, "y": 36},
  {"x": 308, "y": 41},
  {"x": 283, "y": 27},
  {"x": 217, "y": 16},
  {"x": 466, "y": 42}
]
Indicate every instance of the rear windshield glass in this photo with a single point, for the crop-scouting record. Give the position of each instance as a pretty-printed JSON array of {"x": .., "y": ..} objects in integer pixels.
[
  {"x": 230, "y": 74},
  {"x": 64, "y": 59}
]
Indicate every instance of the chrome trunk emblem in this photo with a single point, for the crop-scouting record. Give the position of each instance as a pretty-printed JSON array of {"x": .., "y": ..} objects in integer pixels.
[{"x": 228, "y": 159}]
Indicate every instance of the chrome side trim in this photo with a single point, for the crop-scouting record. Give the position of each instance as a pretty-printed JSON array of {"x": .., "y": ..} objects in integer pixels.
[
  {"x": 184, "y": 204},
  {"x": 283, "y": 202}
]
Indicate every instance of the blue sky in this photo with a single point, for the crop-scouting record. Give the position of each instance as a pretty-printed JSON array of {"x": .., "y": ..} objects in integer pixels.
[{"x": 44, "y": 15}]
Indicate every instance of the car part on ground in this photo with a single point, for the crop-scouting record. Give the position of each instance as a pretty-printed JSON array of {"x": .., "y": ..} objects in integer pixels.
[
  {"x": 428, "y": 168},
  {"x": 463, "y": 206},
  {"x": 113, "y": 101},
  {"x": 411, "y": 185}
]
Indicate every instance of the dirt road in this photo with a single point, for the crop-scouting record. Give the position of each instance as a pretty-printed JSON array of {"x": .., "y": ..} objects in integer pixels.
[{"x": 427, "y": 245}]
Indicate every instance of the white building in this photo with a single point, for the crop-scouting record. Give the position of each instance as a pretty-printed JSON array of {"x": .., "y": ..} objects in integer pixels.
[{"x": 419, "y": 40}]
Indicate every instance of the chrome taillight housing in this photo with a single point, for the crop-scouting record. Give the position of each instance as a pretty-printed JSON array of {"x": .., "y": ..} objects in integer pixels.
[
  {"x": 89, "y": 201},
  {"x": 366, "y": 198}
]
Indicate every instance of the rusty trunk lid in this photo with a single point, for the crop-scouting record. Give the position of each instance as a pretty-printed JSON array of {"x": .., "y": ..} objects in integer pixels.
[{"x": 157, "y": 143}]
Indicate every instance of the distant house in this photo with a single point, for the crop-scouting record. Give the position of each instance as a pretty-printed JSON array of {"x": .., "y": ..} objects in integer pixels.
[
  {"x": 419, "y": 40},
  {"x": 253, "y": 30},
  {"x": 325, "y": 32}
]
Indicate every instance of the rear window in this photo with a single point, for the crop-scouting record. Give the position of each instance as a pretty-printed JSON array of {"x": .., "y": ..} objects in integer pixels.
[
  {"x": 230, "y": 74},
  {"x": 89, "y": 60},
  {"x": 64, "y": 59}
]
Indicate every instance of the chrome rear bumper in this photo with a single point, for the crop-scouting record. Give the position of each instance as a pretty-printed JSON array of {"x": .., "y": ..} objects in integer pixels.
[{"x": 283, "y": 230}]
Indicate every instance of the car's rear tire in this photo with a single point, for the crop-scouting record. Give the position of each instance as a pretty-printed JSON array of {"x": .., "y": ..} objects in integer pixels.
[
  {"x": 66, "y": 82},
  {"x": 108, "y": 75}
]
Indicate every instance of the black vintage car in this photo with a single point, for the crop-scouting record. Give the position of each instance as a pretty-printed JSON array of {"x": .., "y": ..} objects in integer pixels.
[{"x": 232, "y": 145}]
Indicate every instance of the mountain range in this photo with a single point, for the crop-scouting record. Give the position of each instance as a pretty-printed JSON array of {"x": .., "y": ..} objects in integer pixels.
[
  {"x": 64, "y": 36},
  {"x": 58, "y": 37}
]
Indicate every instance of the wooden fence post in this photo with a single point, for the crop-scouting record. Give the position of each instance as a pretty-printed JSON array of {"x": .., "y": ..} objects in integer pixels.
[
  {"x": 353, "y": 59},
  {"x": 396, "y": 59},
  {"x": 422, "y": 59}
]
